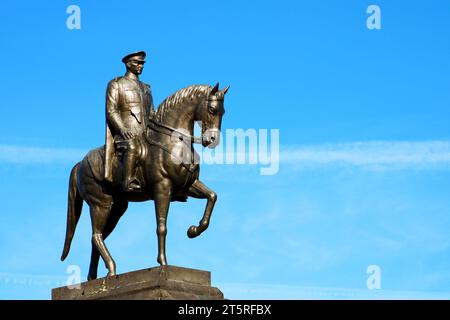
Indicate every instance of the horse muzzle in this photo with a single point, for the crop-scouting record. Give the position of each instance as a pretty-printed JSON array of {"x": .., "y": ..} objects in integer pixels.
[{"x": 211, "y": 138}]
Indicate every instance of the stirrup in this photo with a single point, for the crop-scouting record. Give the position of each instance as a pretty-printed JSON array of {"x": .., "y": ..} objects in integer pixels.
[{"x": 132, "y": 185}]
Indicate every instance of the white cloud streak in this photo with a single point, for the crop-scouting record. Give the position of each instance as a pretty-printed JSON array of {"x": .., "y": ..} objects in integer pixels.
[
  {"x": 372, "y": 155},
  {"x": 37, "y": 155},
  {"x": 287, "y": 292},
  {"x": 249, "y": 291}
]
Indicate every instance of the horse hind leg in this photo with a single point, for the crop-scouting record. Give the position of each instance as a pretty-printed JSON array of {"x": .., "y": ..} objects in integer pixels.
[
  {"x": 93, "y": 265},
  {"x": 117, "y": 210},
  {"x": 99, "y": 218}
]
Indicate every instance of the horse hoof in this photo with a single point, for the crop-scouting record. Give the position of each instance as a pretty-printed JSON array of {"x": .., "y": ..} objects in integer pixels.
[
  {"x": 111, "y": 274},
  {"x": 162, "y": 262},
  {"x": 192, "y": 232},
  {"x": 91, "y": 277}
]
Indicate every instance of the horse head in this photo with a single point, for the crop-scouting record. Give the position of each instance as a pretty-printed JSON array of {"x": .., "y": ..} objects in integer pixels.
[
  {"x": 211, "y": 116},
  {"x": 201, "y": 103}
]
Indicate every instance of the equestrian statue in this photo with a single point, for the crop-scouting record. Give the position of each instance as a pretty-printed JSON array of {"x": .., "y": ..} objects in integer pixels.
[{"x": 148, "y": 155}]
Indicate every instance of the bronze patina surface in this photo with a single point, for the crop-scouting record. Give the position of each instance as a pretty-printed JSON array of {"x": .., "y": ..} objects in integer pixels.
[{"x": 148, "y": 155}]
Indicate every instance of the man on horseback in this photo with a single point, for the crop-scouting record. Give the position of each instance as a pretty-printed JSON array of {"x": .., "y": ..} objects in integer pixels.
[{"x": 129, "y": 105}]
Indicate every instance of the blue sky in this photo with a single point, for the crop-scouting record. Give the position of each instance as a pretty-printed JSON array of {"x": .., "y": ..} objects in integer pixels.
[{"x": 363, "y": 117}]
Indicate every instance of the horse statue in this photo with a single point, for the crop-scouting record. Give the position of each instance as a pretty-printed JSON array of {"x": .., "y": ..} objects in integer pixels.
[{"x": 169, "y": 169}]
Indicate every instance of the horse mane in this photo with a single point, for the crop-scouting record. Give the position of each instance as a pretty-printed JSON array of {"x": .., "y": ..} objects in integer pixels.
[{"x": 180, "y": 97}]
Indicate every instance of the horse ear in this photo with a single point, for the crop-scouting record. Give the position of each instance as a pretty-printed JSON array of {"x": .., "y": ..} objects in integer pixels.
[
  {"x": 225, "y": 90},
  {"x": 215, "y": 89}
]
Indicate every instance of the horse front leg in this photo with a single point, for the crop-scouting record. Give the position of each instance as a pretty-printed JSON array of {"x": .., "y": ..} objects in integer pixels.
[
  {"x": 162, "y": 195},
  {"x": 200, "y": 191}
]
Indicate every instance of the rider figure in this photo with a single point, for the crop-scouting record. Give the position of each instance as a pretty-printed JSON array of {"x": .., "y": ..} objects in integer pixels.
[{"x": 129, "y": 105}]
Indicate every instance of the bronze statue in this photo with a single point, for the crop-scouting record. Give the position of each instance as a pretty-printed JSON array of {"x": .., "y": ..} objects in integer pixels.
[{"x": 150, "y": 157}]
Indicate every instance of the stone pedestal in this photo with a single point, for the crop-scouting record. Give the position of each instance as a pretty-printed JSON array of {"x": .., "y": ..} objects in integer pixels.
[{"x": 159, "y": 283}]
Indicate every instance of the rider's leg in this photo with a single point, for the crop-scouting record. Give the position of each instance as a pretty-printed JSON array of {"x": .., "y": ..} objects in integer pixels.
[{"x": 130, "y": 182}]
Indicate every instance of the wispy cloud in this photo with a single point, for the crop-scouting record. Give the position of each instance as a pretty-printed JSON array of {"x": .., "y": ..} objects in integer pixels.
[
  {"x": 14, "y": 154},
  {"x": 273, "y": 291},
  {"x": 245, "y": 290},
  {"x": 373, "y": 155},
  {"x": 8, "y": 278}
]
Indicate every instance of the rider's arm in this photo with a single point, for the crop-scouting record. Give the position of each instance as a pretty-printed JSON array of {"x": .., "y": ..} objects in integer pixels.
[{"x": 112, "y": 106}]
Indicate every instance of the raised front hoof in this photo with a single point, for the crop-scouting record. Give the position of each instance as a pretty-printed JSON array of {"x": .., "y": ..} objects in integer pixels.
[{"x": 193, "y": 232}]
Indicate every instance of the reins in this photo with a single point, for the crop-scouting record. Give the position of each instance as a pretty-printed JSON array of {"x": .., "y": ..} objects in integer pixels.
[
  {"x": 156, "y": 126},
  {"x": 189, "y": 167}
]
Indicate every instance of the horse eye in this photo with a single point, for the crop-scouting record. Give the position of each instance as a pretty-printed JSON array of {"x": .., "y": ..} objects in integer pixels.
[{"x": 211, "y": 110}]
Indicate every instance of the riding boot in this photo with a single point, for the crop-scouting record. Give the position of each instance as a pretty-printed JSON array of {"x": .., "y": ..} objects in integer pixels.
[{"x": 130, "y": 182}]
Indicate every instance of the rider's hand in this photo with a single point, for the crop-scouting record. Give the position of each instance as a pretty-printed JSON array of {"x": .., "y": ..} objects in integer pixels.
[{"x": 128, "y": 133}]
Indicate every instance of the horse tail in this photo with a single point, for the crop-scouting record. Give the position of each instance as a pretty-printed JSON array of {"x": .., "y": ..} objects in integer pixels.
[{"x": 74, "y": 207}]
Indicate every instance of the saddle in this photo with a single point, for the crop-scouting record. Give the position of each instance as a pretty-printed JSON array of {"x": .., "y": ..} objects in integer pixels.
[{"x": 96, "y": 160}]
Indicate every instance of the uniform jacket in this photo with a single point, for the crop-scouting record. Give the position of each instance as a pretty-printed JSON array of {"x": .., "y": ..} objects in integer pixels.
[{"x": 129, "y": 104}]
